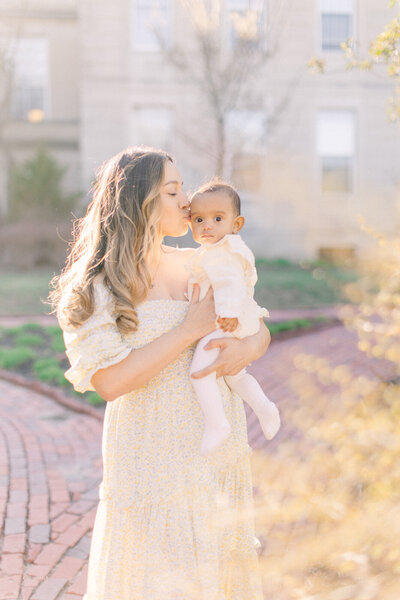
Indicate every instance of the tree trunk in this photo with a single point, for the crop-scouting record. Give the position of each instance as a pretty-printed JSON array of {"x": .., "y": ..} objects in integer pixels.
[{"x": 221, "y": 147}]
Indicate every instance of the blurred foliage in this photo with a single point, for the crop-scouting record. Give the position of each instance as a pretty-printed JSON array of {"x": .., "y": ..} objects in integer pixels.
[
  {"x": 36, "y": 190},
  {"x": 328, "y": 493}
]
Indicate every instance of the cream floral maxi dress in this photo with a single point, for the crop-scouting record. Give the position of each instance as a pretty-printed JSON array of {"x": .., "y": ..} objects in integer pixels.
[{"x": 171, "y": 524}]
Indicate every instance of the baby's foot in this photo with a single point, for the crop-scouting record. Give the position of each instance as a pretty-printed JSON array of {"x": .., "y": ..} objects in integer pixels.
[
  {"x": 269, "y": 420},
  {"x": 214, "y": 437}
]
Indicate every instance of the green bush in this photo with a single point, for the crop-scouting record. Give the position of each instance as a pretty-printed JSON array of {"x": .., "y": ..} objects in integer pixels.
[
  {"x": 57, "y": 341},
  {"x": 14, "y": 357},
  {"x": 53, "y": 374},
  {"x": 30, "y": 327},
  {"x": 28, "y": 339},
  {"x": 42, "y": 364},
  {"x": 94, "y": 399},
  {"x": 36, "y": 189},
  {"x": 50, "y": 371}
]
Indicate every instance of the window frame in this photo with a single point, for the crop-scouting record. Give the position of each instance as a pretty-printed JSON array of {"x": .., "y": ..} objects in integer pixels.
[
  {"x": 352, "y": 157},
  {"x": 134, "y": 116},
  {"x": 147, "y": 49},
  {"x": 13, "y": 109},
  {"x": 353, "y": 15}
]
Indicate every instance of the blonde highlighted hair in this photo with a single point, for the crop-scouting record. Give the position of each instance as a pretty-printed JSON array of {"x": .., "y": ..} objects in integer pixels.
[{"x": 118, "y": 237}]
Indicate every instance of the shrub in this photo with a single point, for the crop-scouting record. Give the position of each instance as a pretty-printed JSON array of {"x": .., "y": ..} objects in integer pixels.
[
  {"x": 14, "y": 357},
  {"x": 28, "y": 339},
  {"x": 36, "y": 190}
]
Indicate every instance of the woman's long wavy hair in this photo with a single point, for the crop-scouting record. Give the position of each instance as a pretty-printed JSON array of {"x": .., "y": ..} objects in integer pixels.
[{"x": 118, "y": 237}]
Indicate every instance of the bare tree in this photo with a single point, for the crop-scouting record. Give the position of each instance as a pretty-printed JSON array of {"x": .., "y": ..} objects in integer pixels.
[{"x": 228, "y": 58}]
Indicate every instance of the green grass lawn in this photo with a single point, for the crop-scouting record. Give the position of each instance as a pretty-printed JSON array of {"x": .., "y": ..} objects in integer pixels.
[
  {"x": 21, "y": 293},
  {"x": 281, "y": 284}
]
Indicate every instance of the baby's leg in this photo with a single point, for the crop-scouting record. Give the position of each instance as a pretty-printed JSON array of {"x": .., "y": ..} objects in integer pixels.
[
  {"x": 251, "y": 392},
  {"x": 216, "y": 425}
]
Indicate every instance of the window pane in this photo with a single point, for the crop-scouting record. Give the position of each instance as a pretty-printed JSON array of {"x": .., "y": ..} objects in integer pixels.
[
  {"x": 152, "y": 127},
  {"x": 336, "y": 6},
  {"x": 151, "y": 22},
  {"x": 335, "y": 30},
  {"x": 30, "y": 77},
  {"x": 246, "y": 130},
  {"x": 335, "y": 133},
  {"x": 246, "y": 172},
  {"x": 336, "y": 174}
]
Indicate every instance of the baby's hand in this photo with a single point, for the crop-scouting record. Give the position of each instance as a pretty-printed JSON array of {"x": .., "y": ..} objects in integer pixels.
[{"x": 228, "y": 323}]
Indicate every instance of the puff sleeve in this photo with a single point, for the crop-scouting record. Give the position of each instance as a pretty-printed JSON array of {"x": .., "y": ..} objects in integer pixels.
[{"x": 94, "y": 345}]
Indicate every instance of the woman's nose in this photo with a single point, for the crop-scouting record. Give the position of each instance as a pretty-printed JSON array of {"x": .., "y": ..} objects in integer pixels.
[{"x": 184, "y": 201}]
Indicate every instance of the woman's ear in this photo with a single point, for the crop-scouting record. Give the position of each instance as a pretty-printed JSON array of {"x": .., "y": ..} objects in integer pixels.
[{"x": 238, "y": 223}]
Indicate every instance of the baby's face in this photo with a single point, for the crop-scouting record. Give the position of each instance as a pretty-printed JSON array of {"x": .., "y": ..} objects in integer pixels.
[{"x": 212, "y": 216}]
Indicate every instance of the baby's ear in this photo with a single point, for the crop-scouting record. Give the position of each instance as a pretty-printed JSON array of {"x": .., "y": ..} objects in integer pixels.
[{"x": 238, "y": 223}]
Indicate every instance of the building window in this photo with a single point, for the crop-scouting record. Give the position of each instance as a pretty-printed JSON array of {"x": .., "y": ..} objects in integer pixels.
[
  {"x": 335, "y": 148},
  {"x": 246, "y": 130},
  {"x": 30, "y": 80},
  {"x": 152, "y": 127},
  {"x": 151, "y": 24},
  {"x": 246, "y": 22},
  {"x": 337, "y": 22},
  {"x": 246, "y": 135}
]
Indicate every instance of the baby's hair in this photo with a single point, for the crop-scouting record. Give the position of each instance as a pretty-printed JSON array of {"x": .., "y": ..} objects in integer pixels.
[{"x": 218, "y": 185}]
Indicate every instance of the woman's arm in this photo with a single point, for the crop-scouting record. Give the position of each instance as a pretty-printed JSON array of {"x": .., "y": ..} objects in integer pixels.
[
  {"x": 142, "y": 364},
  {"x": 236, "y": 353}
]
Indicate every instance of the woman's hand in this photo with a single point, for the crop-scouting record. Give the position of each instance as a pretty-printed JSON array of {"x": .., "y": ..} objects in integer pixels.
[
  {"x": 200, "y": 317},
  {"x": 235, "y": 354}
]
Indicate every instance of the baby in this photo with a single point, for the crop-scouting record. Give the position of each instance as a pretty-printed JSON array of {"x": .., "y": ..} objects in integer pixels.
[{"x": 227, "y": 264}]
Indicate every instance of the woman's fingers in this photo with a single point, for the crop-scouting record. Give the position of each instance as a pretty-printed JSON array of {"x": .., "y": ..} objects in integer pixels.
[
  {"x": 195, "y": 293},
  {"x": 210, "y": 293},
  {"x": 214, "y": 366}
]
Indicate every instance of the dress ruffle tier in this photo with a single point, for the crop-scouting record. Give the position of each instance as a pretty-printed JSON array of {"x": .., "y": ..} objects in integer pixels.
[{"x": 171, "y": 524}]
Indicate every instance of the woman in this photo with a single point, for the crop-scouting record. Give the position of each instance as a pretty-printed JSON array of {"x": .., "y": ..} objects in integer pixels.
[{"x": 171, "y": 524}]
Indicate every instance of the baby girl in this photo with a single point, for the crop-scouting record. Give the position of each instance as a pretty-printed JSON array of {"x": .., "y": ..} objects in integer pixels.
[{"x": 227, "y": 264}]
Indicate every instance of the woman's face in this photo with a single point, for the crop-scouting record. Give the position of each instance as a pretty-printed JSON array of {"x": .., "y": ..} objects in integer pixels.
[{"x": 175, "y": 206}]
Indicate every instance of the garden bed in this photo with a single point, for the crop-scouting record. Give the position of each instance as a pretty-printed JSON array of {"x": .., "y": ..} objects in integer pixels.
[{"x": 37, "y": 352}]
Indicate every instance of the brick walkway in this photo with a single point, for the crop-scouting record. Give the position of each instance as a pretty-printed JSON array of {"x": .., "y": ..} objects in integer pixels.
[{"x": 50, "y": 469}]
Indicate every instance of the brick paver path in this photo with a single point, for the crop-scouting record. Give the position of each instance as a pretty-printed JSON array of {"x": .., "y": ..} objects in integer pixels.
[{"x": 50, "y": 469}]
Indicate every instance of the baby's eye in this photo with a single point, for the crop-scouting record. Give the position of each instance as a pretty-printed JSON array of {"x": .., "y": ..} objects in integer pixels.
[
  {"x": 218, "y": 218},
  {"x": 172, "y": 194},
  {"x": 198, "y": 220}
]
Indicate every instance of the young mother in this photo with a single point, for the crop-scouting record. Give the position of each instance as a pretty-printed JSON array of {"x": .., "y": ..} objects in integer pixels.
[{"x": 171, "y": 524}]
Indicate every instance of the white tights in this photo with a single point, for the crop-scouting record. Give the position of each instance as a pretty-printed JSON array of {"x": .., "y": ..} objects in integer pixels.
[{"x": 216, "y": 425}]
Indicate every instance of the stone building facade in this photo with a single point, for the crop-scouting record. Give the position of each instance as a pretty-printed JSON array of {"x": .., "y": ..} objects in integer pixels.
[{"x": 309, "y": 153}]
